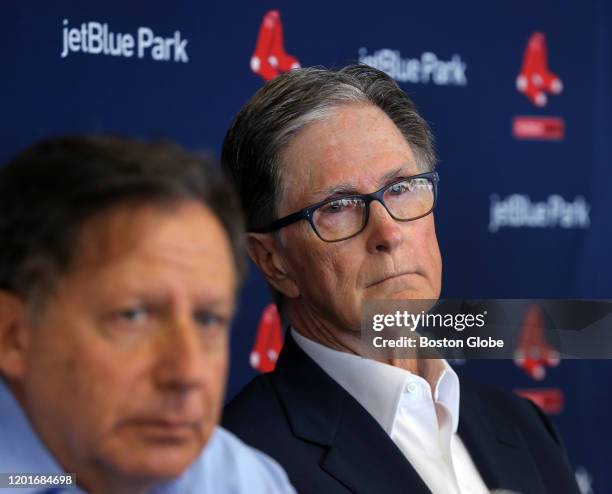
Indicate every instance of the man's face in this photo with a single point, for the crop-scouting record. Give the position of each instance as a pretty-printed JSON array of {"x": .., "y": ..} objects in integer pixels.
[
  {"x": 126, "y": 364},
  {"x": 357, "y": 149}
]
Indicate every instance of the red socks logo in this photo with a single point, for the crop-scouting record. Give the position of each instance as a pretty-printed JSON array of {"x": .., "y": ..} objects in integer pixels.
[
  {"x": 533, "y": 353},
  {"x": 269, "y": 58},
  {"x": 534, "y": 78},
  {"x": 269, "y": 340}
]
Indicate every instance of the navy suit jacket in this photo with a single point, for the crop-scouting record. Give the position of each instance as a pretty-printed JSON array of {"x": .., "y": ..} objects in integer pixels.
[{"x": 328, "y": 443}]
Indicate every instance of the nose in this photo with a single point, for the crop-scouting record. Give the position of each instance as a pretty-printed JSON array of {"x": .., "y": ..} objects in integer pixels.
[
  {"x": 180, "y": 359},
  {"x": 384, "y": 233}
]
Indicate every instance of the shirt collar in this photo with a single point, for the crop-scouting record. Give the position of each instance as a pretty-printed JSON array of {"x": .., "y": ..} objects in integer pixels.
[
  {"x": 378, "y": 386},
  {"x": 21, "y": 450}
]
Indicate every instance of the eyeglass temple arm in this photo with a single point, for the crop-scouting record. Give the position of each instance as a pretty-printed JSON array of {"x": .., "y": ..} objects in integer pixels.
[{"x": 282, "y": 222}]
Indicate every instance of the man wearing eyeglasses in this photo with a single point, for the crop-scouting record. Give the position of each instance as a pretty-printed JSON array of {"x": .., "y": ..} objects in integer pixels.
[{"x": 336, "y": 175}]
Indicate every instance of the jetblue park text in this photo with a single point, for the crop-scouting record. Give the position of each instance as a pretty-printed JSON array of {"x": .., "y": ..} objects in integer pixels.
[{"x": 97, "y": 38}]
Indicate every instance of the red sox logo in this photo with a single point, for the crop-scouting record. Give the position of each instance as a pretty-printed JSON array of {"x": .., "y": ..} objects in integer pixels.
[
  {"x": 269, "y": 58},
  {"x": 535, "y": 79},
  {"x": 269, "y": 340},
  {"x": 534, "y": 355}
]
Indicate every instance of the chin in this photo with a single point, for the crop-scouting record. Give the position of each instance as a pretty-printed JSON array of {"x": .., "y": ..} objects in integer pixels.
[
  {"x": 160, "y": 464},
  {"x": 412, "y": 295},
  {"x": 153, "y": 456},
  {"x": 404, "y": 293}
]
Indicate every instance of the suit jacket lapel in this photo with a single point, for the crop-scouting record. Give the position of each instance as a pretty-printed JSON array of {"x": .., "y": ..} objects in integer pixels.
[
  {"x": 360, "y": 453},
  {"x": 364, "y": 458},
  {"x": 496, "y": 446}
]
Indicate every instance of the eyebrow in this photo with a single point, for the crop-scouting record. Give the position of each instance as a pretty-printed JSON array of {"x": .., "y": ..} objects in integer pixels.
[{"x": 348, "y": 188}]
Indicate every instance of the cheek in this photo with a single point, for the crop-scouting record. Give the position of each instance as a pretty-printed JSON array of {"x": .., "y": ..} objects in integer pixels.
[
  {"x": 429, "y": 252},
  {"x": 431, "y": 244},
  {"x": 345, "y": 266},
  {"x": 102, "y": 385},
  {"x": 324, "y": 269},
  {"x": 215, "y": 378},
  {"x": 330, "y": 277},
  {"x": 71, "y": 387},
  {"x": 216, "y": 365},
  {"x": 53, "y": 366}
]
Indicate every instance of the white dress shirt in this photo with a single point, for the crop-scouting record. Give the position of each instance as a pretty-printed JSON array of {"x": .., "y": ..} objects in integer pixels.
[{"x": 423, "y": 427}]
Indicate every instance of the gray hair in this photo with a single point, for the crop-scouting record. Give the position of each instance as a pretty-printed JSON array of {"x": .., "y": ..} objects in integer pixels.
[{"x": 285, "y": 105}]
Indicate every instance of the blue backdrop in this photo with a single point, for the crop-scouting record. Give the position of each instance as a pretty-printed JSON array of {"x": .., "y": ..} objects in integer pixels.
[{"x": 526, "y": 165}]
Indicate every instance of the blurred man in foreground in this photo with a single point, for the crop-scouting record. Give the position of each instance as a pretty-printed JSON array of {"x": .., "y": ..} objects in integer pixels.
[
  {"x": 336, "y": 174},
  {"x": 119, "y": 265}
]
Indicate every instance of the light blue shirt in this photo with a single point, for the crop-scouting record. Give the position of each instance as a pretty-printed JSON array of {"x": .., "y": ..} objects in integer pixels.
[{"x": 226, "y": 465}]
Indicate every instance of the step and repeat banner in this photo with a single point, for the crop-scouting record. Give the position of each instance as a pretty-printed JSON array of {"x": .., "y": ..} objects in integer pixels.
[{"x": 518, "y": 94}]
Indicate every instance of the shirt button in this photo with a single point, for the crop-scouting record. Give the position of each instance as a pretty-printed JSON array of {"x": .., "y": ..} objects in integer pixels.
[{"x": 412, "y": 387}]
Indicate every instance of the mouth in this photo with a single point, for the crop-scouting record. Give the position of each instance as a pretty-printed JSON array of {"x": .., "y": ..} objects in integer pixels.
[{"x": 164, "y": 428}]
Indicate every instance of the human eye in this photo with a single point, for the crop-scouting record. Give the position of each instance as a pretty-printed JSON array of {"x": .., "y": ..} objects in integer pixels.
[
  {"x": 400, "y": 188},
  {"x": 341, "y": 205},
  {"x": 207, "y": 318},
  {"x": 132, "y": 320},
  {"x": 134, "y": 315}
]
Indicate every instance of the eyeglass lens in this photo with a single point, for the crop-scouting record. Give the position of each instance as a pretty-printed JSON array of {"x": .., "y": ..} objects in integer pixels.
[{"x": 346, "y": 216}]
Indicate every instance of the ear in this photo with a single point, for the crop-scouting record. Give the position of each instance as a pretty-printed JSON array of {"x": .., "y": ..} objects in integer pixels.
[
  {"x": 264, "y": 251},
  {"x": 14, "y": 335}
]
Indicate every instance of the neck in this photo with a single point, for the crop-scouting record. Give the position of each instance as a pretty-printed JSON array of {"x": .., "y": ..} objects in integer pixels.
[
  {"x": 320, "y": 329},
  {"x": 97, "y": 482},
  {"x": 332, "y": 335}
]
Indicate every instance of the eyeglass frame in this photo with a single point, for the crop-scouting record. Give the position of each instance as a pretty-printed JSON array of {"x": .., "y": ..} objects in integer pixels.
[{"x": 307, "y": 213}]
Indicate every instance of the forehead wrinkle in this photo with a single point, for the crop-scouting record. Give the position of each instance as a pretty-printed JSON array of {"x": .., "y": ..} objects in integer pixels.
[
  {"x": 179, "y": 294},
  {"x": 402, "y": 170},
  {"x": 146, "y": 236},
  {"x": 103, "y": 247},
  {"x": 342, "y": 188},
  {"x": 352, "y": 188}
]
